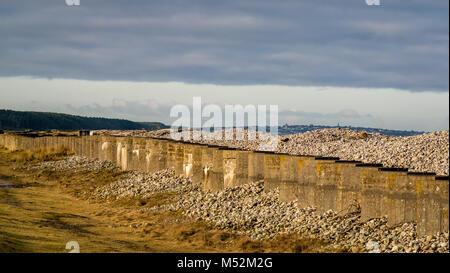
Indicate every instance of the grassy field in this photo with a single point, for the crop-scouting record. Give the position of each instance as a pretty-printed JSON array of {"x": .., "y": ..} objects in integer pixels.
[{"x": 45, "y": 210}]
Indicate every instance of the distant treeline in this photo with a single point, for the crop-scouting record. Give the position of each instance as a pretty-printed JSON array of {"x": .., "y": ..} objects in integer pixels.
[{"x": 18, "y": 120}]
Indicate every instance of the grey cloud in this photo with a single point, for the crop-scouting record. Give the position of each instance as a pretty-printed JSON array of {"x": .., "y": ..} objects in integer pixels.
[{"x": 331, "y": 43}]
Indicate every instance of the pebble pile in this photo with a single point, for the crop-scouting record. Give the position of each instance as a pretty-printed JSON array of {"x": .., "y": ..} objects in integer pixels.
[
  {"x": 75, "y": 163},
  {"x": 420, "y": 153},
  {"x": 143, "y": 185}
]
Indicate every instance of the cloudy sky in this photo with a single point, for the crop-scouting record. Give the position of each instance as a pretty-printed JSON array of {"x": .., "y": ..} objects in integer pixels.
[{"x": 322, "y": 62}]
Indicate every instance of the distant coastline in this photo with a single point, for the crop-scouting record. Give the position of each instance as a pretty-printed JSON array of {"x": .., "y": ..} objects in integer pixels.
[{"x": 39, "y": 121}]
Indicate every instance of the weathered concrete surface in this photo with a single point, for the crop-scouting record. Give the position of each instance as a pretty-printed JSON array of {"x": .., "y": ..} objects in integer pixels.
[
  {"x": 432, "y": 204},
  {"x": 242, "y": 168},
  {"x": 229, "y": 167},
  {"x": 121, "y": 152},
  {"x": 188, "y": 160},
  {"x": 108, "y": 148},
  {"x": 328, "y": 173},
  {"x": 307, "y": 179},
  {"x": 213, "y": 174},
  {"x": 272, "y": 170},
  {"x": 289, "y": 177},
  {"x": 373, "y": 192},
  {"x": 207, "y": 164},
  {"x": 171, "y": 154},
  {"x": 179, "y": 157},
  {"x": 443, "y": 183},
  {"x": 401, "y": 196},
  {"x": 255, "y": 166},
  {"x": 348, "y": 186},
  {"x": 138, "y": 155},
  {"x": 158, "y": 155},
  {"x": 324, "y": 183},
  {"x": 197, "y": 172}
]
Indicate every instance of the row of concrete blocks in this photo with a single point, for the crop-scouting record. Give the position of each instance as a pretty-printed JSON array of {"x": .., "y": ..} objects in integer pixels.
[{"x": 324, "y": 183}]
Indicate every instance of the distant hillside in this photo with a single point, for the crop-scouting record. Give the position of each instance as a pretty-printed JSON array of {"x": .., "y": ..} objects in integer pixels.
[
  {"x": 295, "y": 129},
  {"x": 18, "y": 120}
]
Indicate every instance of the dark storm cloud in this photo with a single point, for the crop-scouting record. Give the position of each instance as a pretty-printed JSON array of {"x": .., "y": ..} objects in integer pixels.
[{"x": 401, "y": 44}]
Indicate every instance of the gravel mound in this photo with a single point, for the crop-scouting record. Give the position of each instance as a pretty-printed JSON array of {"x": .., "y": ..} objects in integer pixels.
[
  {"x": 75, "y": 163},
  {"x": 143, "y": 185}
]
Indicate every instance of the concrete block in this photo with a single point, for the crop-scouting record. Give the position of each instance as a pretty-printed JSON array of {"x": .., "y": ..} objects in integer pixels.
[
  {"x": 179, "y": 157},
  {"x": 289, "y": 178},
  {"x": 373, "y": 190},
  {"x": 197, "y": 164},
  {"x": 207, "y": 163},
  {"x": 307, "y": 181},
  {"x": 214, "y": 178},
  {"x": 328, "y": 173},
  {"x": 188, "y": 161},
  {"x": 432, "y": 205},
  {"x": 255, "y": 166},
  {"x": 138, "y": 160},
  {"x": 242, "y": 168},
  {"x": 348, "y": 186},
  {"x": 401, "y": 197},
  {"x": 229, "y": 167},
  {"x": 272, "y": 170}
]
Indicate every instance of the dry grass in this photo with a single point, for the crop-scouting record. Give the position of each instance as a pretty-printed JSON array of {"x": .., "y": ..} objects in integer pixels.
[
  {"x": 286, "y": 243},
  {"x": 40, "y": 154}
]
